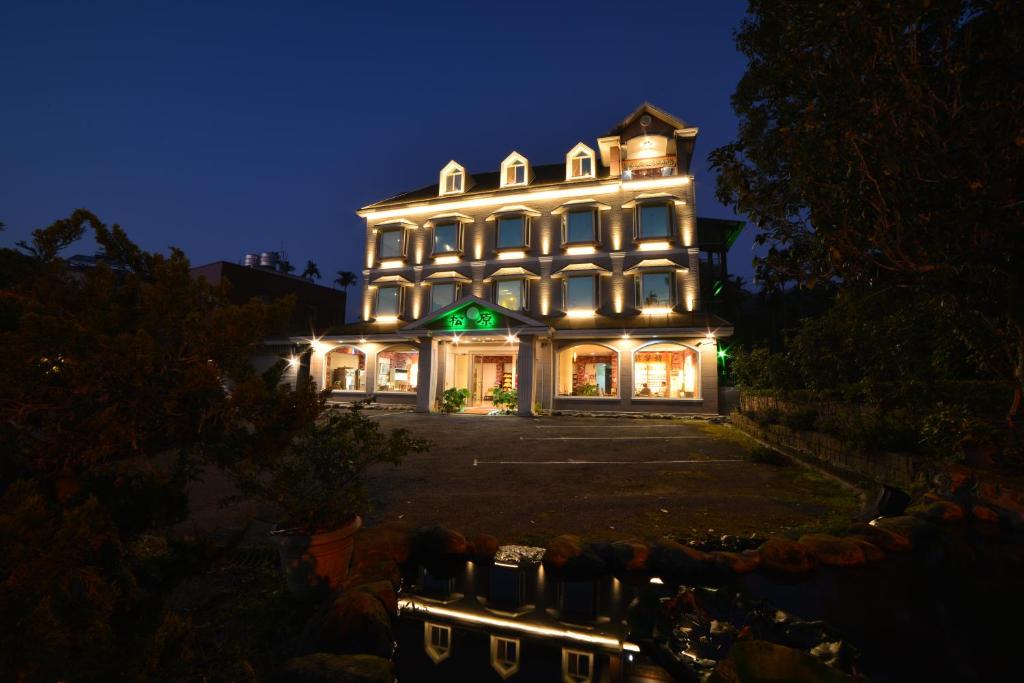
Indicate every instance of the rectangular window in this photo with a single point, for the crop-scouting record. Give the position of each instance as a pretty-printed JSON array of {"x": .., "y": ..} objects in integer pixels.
[
  {"x": 387, "y": 301},
  {"x": 392, "y": 244},
  {"x": 509, "y": 293},
  {"x": 578, "y": 665},
  {"x": 654, "y": 290},
  {"x": 515, "y": 174},
  {"x": 511, "y": 232},
  {"x": 579, "y": 293},
  {"x": 654, "y": 221},
  {"x": 439, "y": 637},
  {"x": 442, "y": 294},
  {"x": 579, "y": 226},
  {"x": 446, "y": 238},
  {"x": 507, "y": 651},
  {"x": 581, "y": 166},
  {"x": 453, "y": 182}
]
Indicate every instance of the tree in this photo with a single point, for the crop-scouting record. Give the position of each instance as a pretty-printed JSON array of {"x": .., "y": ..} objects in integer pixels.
[
  {"x": 312, "y": 272},
  {"x": 114, "y": 389},
  {"x": 346, "y": 279},
  {"x": 879, "y": 146}
]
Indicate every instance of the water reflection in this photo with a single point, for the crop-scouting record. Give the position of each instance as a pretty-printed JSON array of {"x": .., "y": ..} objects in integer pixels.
[{"x": 492, "y": 622}]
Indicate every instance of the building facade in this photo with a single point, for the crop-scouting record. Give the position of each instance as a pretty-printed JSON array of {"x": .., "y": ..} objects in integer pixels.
[{"x": 574, "y": 286}]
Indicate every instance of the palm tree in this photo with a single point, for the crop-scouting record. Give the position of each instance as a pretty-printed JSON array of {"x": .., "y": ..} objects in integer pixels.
[
  {"x": 312, "y": 272},
  {"x": 346, "y": 279}
]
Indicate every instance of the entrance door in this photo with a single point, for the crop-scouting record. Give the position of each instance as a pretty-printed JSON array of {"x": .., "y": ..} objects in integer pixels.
[{"x": 489, "y": 373}]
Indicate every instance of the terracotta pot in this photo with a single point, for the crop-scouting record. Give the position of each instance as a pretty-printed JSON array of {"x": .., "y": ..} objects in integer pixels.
[{"x": 314, "y": 565}]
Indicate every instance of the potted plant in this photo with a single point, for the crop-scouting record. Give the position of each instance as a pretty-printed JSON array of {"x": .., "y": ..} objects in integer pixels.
[
  {"x": 318, "y": 484},
  {"x": 454, "y": 400},
  {"x": 505, "y": 399}
]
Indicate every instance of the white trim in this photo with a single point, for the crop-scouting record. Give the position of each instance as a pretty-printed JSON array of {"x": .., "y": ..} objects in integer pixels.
[
  {"x": 698, "y": 373},
  {"x": 515, "y": 159},
  {"x": 618, "y": 373},
  {"x": 572, "y": 154},
  {"x": 451, "y": 168}
]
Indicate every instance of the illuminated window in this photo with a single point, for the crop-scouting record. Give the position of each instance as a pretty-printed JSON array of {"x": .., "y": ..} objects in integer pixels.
[
  {"x": 388, "y": 298},
  {"x": 514, "y": 170},
  {"x": 511, "y": 232},
  {"x": 398, "y": 369},
  {"x": 345, "y": 369},
  {"x": 653, "y": 221},
  {"x": 577, "y": 667},
  {"x": 580, "y": 293},
  {"x": 654, "y": 290},
  {"x": 505, "y": 655},
  {"x": 588, "y": 370},
  {"x": 580, "y": 163},
  {"x": 510, "y": 294},
  {"x": 437, "y": 641},
  {"x": 391, "y": 243},
  {"x": 579, "y": 226},
  {"x": 452, "y": 180},
  {"x": 446, "y": 238},
  {"x": 666, "y": 370},
  {"x": 443, "y": 294}
]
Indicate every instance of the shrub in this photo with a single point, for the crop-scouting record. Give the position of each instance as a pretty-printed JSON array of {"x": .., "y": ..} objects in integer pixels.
[
  {"x": 585, "y": 390},
  {"x": 947, "y": 430},
  {"x": 453, "y": 400},
  {"x": 768, "y": 416},
  {"x": 801, "y": 419},
  {"x": 508, "y": 399}
]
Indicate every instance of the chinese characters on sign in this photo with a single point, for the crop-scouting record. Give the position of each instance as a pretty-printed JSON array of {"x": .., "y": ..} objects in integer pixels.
[{"x": 472, "y": 318}]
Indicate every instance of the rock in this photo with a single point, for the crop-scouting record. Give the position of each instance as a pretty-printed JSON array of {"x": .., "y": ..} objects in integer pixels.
[
  {"x": 738, "y": 563},
  {"x": 833, "y": 551},
  {"x": 884, "y": 539},
  {"x": 786, "y": 557},
  {"x": 519, "y": 554},
  {"x": 888, "y": 501},
  {"x": 683, "y": 563},
  {"x": 1009, "y": 504},
  {"x": 909, "y": 527},
  {"x": 392, "y": 540},
  {"x": 357, "y": 622},
  {"x": 983, "y": 513},
  {"x": 631, "y": 555},
  {"x": 940, "y": 511},
  {"x": 323, "y": 667},
  {"x": 561, "y": 549},
  {"x": 484, "y": 546},
  {"x": 371, "y": 571},
  {"x": 383, "y": 591},
  {"x": 872, "y": 553},
  {"x": 434, "y": 543},
  {"x": 758, "y": 661}
]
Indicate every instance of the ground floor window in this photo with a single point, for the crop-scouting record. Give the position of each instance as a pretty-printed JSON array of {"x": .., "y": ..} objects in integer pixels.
[
  {"x": 666, "y": 370},
  {"x": 397, "y": 369},
  {"x": 577, "y": 667},
  {"x": 437, "y": 641},
  {"x": 505, "y": 655},
  {"x": 588, "y": 370},
  {"x": 345, "y": 369}
]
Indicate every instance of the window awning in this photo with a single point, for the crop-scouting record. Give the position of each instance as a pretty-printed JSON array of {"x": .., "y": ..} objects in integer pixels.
[
  {"x": 580, "y": 204},
  {"x": 518, "y": 208},
  {"x": 635, "y": 264},
  {"x": 390, "y": 279},
  {"x": 654, "y": 197},
  {"x": 448, "y": 275},
  {"x": 581, "y": 268},
  {"x": 447, "y": 218},
  {"x": 495, "y": 272},
  {"x": 396, "y": 223}
]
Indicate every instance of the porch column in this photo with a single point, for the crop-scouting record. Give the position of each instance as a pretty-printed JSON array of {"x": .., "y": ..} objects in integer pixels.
[
  {"x": 525, "y": 371},
  {"x": 427, "y": 376}
]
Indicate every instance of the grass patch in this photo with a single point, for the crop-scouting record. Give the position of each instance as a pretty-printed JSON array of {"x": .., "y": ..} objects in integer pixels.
[{"x": 768, "y": 456}]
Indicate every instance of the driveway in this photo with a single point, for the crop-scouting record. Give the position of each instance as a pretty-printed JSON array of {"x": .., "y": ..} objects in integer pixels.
[{"x": 526, "y": 479}]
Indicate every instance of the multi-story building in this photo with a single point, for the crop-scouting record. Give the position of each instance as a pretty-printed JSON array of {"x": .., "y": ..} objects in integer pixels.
[{"x": 575, "y": 285}]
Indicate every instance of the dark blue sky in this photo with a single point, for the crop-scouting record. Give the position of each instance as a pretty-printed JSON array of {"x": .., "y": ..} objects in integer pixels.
[{"x": 225, "y": 128}]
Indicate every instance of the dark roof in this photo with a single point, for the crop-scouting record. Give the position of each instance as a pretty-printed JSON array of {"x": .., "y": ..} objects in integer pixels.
[
  {"x": 545, "y": 174},
  {"x": 718, "y": 233}
]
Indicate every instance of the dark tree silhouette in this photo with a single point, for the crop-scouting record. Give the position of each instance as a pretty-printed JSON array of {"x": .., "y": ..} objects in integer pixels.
[
  {"x": 346, "y": 279},
  {"x": 312, "y": 271}
]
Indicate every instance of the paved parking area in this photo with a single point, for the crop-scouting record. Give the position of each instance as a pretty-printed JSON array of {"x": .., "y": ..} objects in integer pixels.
[{"x": 526, "y": 479}]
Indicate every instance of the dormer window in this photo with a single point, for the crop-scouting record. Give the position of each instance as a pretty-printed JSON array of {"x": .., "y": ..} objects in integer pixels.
[
  {"x": 579, "y": 163},
  {"x": 515, "y": 170},
  {"x": 452, "y": 180}
]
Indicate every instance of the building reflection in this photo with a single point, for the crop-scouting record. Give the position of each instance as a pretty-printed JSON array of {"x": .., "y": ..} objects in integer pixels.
[{"x": 510, "y": 621}]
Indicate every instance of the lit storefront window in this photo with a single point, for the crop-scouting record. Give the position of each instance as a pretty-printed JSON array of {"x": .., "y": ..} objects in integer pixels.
[
  {"x": 397, "y": 369},
  {"x": 345, "y": 368},
  {"x": 588, "y": 370},
  {"x": 509, "y": 293},
  {"x": 666, "y": 370}
]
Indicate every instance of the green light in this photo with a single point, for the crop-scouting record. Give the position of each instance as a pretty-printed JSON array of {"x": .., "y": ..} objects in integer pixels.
[
  {"x": 723, "y": 353},
  {"x": 472, "y": 317},
  {"x": 717, "y": 287}
]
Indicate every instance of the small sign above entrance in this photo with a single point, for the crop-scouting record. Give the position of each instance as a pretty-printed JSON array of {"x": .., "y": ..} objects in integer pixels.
[{"x": 470, "y": 317}]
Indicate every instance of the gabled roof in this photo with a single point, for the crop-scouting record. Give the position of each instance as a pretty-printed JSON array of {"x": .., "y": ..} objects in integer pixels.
[
  {"x": 465, "y": 302},
  {"x": 648, "y": 108}
]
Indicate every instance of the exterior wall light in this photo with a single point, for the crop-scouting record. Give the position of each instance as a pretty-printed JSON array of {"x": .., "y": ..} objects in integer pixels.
[
  {"x": 580, "y": 313},
  {"x": 577, "y": 251},
  {"x": 442, "y": 260},
  {"x": 652, "y": 246},
  {"x": 387, "y": 318},
  {"x": 507, "y": 255},
  {"x": 397, "y": 263},
  {"x": 662, "y": 310}
]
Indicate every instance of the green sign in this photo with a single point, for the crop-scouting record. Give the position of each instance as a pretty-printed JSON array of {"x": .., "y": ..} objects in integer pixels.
[{"x": 470, "y": 317}]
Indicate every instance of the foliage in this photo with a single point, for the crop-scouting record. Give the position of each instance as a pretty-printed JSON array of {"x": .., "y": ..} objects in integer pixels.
[
  {"x": 346, "y": 279},
  {"x": 801, "y": 419},
  {"x": 312, "y": 271},
  {"x": 113, "y": 393},
  {"x": 507, "y": 399},
  {"x": 879, "y": 146},
  {"x": 585, "y": 390},
  {"x": 454, "y": 400},
  {"x": 768, "y": 416},
  {"x": 952, "y": 428},
  {"x": 762, "y": 369},
  {"x": 318, "y": 481}
]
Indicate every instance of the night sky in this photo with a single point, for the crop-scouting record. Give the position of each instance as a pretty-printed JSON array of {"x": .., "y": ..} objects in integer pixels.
[{"x": 225, "y": 128}]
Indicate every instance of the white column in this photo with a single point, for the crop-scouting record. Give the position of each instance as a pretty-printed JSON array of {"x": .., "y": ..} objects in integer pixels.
[
  {"x": 526, "y": 373},
  {"x": 427, "y": 377}
]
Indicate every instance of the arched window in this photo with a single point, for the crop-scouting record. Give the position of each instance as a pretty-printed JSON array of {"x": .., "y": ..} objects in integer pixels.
[
  {"x": 666, "y": 370},
  {"x": 398, "y": 369},
  {"x": 345, "y": 369},
  {"x": 588, "y": 370}
]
